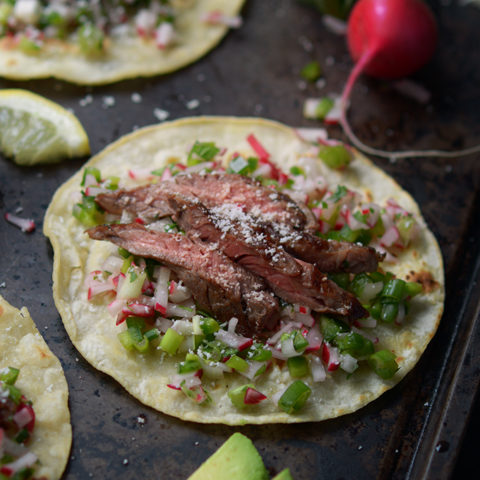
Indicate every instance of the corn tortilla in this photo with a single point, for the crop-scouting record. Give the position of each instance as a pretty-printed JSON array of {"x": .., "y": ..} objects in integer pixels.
[
  {"x": 93, "y": 331},
  {"x": 42, "y": 381}
]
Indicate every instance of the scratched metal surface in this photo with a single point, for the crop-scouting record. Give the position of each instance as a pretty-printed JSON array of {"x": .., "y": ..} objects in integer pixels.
[{"x": 414, "y": 430}]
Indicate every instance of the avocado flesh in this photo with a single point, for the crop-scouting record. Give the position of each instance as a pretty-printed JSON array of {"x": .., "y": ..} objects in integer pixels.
[
  {"x": 283, "y": 475},
  {"x": 236, "y": 459}
]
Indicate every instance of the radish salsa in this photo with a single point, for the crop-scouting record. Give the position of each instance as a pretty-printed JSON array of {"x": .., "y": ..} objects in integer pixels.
[{"x": 17, "y": 423}]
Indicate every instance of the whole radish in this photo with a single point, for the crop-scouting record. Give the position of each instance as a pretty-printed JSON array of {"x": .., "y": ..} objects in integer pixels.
[
  {"x": 399, "y": 36},
  {"x": 390, "y": 39}
]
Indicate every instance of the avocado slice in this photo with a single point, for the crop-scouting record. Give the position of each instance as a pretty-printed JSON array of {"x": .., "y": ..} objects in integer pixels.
[
  {"x": 236, "y": 459},
  {"x": 283, "y": 475}
]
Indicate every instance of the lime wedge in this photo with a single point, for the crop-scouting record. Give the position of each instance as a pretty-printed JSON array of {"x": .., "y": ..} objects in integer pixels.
[{"x": 36, "y": 130}]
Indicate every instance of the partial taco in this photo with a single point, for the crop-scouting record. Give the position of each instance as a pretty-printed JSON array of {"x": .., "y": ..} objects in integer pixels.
[
  {"x": 35, "y": 431},
  {"x": 226, "y": 270},
  {"x": 93, "y": 42}
]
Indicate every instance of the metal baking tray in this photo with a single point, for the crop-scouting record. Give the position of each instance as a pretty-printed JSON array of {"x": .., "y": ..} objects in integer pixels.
[{"x": 414, "y": 430}]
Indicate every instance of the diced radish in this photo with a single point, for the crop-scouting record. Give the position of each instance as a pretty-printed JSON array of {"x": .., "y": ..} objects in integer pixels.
[
  {"x": 288, "y": 348},
  {"x": 330, "y": 357},
  {"x": 24, "y": 224},
  {"x": 317, "y": 369},
  {"x": 314, "y": 338},
  {"x": 311, "y": 135},
  {"x": 348, "y": 363},
  {"x": 25, "y": 417},
  {"x": 253, "y": 369},
  {"x": 216, "y": 17},
  {"x": 160, "y": 295},
  {"x": 253, "y": 397},
  {"x": 391, "y": 236},
  {"x": 234, "y": 340},
  {"x": 232, "y": 325},
  {"x": 164, "y": 36},
  {"x": 21, "y": 463},
  {"x": 138, "y": 310}
]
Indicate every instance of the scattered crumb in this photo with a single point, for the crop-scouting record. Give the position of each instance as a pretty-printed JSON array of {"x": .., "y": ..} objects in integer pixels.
[
  {"x": 192, "y": 104},
  {"x": 160, "y": 114},
  {"x": 136, "y": 97},
  {"x": 108, "y": 101}
]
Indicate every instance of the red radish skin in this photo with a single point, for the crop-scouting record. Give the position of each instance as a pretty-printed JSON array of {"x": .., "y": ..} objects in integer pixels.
[{"x": 390, "y": 39}]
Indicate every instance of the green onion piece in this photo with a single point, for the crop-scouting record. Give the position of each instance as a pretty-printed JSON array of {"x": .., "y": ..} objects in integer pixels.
[
  {"x": 9, "y": 375},
  {"x": 90, "y": 39},
  {"x": 126, "y": 340},
  {"x": 95, "y": 172},
  {"x": 28, "y": 46},
  {"x": 389, "y": 312},
  {"x": 111, "y": 183},
  {"x": 126, "y": 263},
  {"x": 311, "y": 71},
  {"x": 124, "y": 253},
  {"x": 405, "y": 225},
  {"x": 323, "y": 107},
  {"x": 345, "y": 234},
  {"x": 14, "y": 393},
  {"x": 202, "y": 152},
  {"x": 297, "y": 171},
  {"x": 136, "y": 322},
  {"x": 331, "y": 327},
  {"x": 209, "y": 325},
  {"x": 354, "y": 344},
  {"x": 21, "y": 437},
  {"x": 335, "y": 156},
  {"x": 237, "y": 363},
  {"x": 358, "y": 284},
  {"x": 258, "y": 354},
  {"x": 379, "y": 228},
  {"x": 394, "y": 289},
  {"x": 237, "y": 395},
  {"x": 152, "y": 334},
  {"x": 375, "y": 309},
  {"x": 143, "y": 345},
  {"x": 191, "y": 364},
  {"x": 297, "y": 366},
  {"x": 133, "y": 283},
  {"x": 171, "y": 341},
  {"x": 294, "y": 397},
  {"x": 413, "y": 288},
  {"x": 383, "y": 364}
]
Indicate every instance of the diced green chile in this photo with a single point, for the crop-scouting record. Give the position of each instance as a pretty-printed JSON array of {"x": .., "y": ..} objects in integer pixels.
[
  {"x": 237, "y": 395},
  {"x": 335, "y": 156},
  {"x": 294, "y": 397},
  {"x": 331, "y": 327},
  {"x": 383, "y": 363},
  {"x": 10, "y": 375},
  {"x": 298, "y": 366},
  {"x": 354, "y": 344}
]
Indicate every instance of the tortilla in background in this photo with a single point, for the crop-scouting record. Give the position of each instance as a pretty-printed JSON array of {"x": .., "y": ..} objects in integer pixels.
[
  {"x": 127, "y": 57},
  {"x": 42, "y": 381}
]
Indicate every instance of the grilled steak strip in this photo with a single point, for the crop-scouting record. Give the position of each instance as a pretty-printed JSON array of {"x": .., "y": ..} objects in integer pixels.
[
  {"x": 306, "y": 285},
  {"x": 218, "y": 285},
  {"x": 150, "y": 203}
]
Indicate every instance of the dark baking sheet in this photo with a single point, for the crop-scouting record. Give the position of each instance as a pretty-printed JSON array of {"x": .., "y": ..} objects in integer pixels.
[{"x": 413, "y": 431}]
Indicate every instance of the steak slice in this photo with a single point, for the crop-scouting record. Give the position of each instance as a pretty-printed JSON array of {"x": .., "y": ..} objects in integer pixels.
[
  {"x": 220, "y": 188},
  {"x": 150, "y": 203},
  {"x": 247, "y": 244},
  {"x": 218, "y": 285}
]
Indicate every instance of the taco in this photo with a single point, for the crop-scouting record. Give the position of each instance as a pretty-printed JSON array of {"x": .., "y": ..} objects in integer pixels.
[
  {"x": 95, "y": 42},
  {"x": 222, "y": 272},
  {"x": 35, "y": 431}
]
